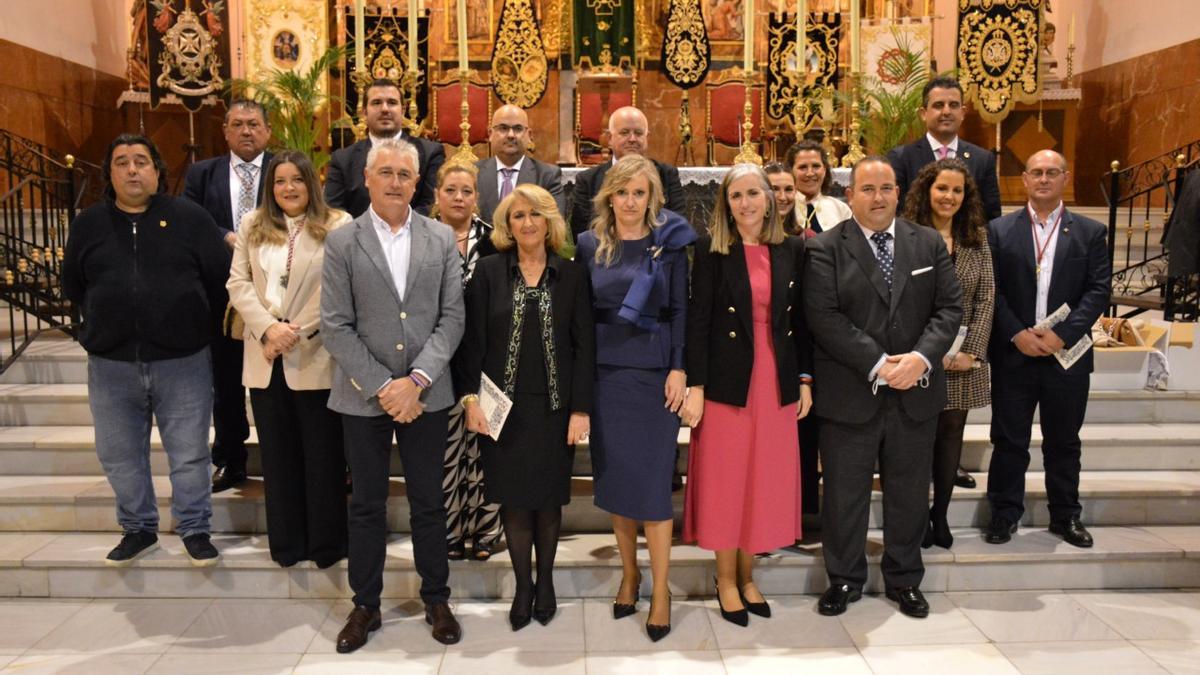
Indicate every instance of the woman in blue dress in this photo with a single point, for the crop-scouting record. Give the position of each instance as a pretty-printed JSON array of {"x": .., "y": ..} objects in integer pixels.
[{"x": 636, "y": 258}]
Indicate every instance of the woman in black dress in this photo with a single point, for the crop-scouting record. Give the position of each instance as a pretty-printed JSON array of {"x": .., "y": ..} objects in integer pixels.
[{"x": 529, "y": 330}]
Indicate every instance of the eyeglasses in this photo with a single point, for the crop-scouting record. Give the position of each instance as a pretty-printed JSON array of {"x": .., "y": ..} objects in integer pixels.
[
  {"x": 1048, "y": 173},
  {"x": 504, "y": 129}
]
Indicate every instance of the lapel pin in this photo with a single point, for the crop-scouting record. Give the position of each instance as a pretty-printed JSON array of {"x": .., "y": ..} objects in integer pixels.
[
  {"x": 1066, "y": 230},
  {"x": 966, "y": 155},
  {"x": 162, "y": 223}
]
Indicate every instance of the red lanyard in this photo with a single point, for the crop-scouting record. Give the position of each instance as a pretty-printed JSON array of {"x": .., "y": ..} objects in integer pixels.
[{"x": 1040, "y": 245}]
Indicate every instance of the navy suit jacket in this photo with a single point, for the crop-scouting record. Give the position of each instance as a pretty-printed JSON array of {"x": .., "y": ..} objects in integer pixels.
[
  {"x": 908, "y": 160},
  {"x": 1081, "y": 277},
  {"x": 207, "y": 184},
  {"x": 344, "y": 187}
]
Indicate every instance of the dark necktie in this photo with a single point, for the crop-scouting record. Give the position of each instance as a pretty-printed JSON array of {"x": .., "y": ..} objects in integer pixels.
[
  {"x": 883, "y": 255},
  {"x": 506, "y": 184},
  {"x": 811, "y": 219}
]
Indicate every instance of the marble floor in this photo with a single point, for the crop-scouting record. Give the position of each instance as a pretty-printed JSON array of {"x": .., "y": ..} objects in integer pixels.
[{"x": 1089, "y": 632}]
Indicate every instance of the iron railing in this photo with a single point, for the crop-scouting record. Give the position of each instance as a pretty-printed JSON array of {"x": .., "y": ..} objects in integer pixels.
[
  {"x": 40, "y": 194},
  {"x": 1138, "y": 197}
]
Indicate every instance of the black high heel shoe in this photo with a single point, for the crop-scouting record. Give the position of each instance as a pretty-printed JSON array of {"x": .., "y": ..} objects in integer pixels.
[
  {"x": 756, "y": 608},
  {"x": 621, "y": 609},
  {"x": 543, "y": 615},
  {"x": 740, "y": 617},
  {"x": 520, "y": 612},
  {"x": 656, "y": 631},
  {"x": 939, "y": 532}
]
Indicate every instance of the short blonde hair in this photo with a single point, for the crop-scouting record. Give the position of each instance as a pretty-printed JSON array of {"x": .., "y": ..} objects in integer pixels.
[
  {"x": 543, "y": 203},
  {"x": 604, "y": 223},
  {"x": 722, "y": 227},
  {"x": 443, "y": 173}
]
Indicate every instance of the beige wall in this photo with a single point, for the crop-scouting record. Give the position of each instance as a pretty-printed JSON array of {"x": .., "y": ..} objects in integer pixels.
[{"x": 91, "y": 33}]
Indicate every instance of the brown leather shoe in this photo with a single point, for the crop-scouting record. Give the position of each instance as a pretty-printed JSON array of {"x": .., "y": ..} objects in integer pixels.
[
  {"x": 358, "y": 626},
  {"x": 445, "y": 627}
]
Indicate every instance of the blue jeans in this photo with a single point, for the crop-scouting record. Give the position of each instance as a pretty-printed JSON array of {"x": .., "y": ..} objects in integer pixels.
[{"x": 124, "y": 396}]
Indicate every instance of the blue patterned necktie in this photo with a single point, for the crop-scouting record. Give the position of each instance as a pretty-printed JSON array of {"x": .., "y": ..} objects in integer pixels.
[
  {"x": 884, "y": 255},
  {"x": 245, "y": 172}
]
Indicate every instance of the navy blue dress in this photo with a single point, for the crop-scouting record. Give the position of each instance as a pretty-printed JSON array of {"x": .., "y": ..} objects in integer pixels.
[{"x": 633, "y": 436}]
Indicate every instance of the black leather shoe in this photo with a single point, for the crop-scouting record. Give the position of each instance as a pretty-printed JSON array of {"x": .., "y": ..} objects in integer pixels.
[
  {"x": 358, "y": 626},
  {"x": 756, "y": 608},
  {"x": 963, "y": 479},
  {"x": 938, "y": 533},
  {"x": 1073, "y": 532},
  {"x": 456, "y": 551},
  {"x": 659, "y": 631},
  {"x": 912, "y": 602},
  {"x": 835, "y": 599},
  {"x": 521, "y": 612},
  {"x": 225, "y": 478},
  {"x": 999, "y": 531},
  {"x": 445, "y": 627},
  {"x": 623, "y": 609},
  {"x": 740, "y": 617}
]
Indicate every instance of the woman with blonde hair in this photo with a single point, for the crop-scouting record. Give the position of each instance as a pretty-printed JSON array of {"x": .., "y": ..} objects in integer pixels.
[
  {"x": 748, "y": 362},
  {"x": 636, "y": 258},
  {"x": 469, "y": 517},
  {"x": 275, "y": 286},
  {"x": 529, "y": 330}
]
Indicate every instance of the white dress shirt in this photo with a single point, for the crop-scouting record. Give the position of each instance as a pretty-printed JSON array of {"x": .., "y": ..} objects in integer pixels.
[
  {"x": 935, "y": 144},
  {"x": 273, "y": 260},
  {"x": 235, "y": 184},
  {"x": 1044, "y": 237},
  {"x": 397, "y": 248}
]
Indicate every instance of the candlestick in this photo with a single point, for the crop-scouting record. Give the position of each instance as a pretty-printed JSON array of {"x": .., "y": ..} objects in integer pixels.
[
  {"x": 360, "y": 38},
  {"x": 462, "y": 34},
  {"x": 412, "y": 35},
  {"x": 855, "y": 57},
  {"x": 748, "y": 36},
  {"x": 801, "y": 37}
]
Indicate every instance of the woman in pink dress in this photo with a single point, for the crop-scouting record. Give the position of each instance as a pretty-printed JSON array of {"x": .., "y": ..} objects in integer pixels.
[{"x": 748, "y": 362}]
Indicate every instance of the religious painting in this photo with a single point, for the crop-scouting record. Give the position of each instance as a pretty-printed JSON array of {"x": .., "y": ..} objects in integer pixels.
[
  {"x": 479, "y": 22},
  {"x": 285, "y": 49},
  {"x": 282, "y": 35},
  {"x": 724, "y": 20}
]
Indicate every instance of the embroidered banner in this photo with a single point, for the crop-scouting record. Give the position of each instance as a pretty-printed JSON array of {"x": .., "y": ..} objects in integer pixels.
[
  {"x": 685, "y": 47},
  {"x": 998, "y": 53},
  {"x": 604, "y": 34},
  {"x": 386, "y": 54},
  {"x": 519, "y": 66},
  {"x": 189, "y": 50},
  {"x": 891, "y": 51},
  {"x": 784, "y": 83}
]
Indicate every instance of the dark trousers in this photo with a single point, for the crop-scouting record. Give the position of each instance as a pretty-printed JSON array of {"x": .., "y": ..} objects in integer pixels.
[
  {"x": 810, "y": 476},
  {"x": 229, "y": 405},
  {"x": 1062, "y": 398},
  {"x": 904, "y": 449},
  {"x": 368, "y": 449},
  {"x": 303, "y": 472}
]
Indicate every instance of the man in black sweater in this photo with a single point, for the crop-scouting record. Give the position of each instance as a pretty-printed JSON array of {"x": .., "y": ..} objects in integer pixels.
[{"x": 147, "y": 271}]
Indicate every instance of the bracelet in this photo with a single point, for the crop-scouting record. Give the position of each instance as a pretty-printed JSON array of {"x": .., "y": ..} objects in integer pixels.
[
  {"x": 806, "y": 380},
  {"x": 469, "y": 398},
  {"x": 416, "y": 380}
]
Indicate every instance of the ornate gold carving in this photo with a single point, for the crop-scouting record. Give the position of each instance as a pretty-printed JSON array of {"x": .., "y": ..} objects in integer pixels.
[
  {"x": 685, "y": 44},
  {"x": 789, "y": 95},
  {"x": 553, "y": 17},
  {"x": 269, "y": 18},
  {"x": 519, "y": 66},
  {"x": 998, "y": 54},
  {"x": 189, "y": 60}
]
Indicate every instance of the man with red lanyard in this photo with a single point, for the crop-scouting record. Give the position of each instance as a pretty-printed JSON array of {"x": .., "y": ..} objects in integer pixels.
[{"x": 1045, "y": 257}]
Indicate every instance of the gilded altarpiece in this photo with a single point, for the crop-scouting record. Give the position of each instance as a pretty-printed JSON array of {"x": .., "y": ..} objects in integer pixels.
[{"x": 283, "y": 35}]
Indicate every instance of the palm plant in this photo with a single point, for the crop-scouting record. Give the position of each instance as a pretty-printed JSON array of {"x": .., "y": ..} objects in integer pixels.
[
  {"x": 890, "y": 104},
  {"x": 293, "y": 101}
]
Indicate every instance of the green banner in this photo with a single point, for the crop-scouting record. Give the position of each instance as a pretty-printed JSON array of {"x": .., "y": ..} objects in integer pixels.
[{"x": 604, "y": 34}]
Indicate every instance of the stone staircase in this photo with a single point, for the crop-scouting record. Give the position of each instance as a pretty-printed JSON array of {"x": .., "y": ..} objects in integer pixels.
[{"x": 1140, "y": 490}]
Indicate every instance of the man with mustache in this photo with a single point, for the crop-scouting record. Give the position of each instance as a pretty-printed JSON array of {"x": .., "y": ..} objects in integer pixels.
[
  {"x": 511, "y": 165},
  {"x": 384, "y": 107}
]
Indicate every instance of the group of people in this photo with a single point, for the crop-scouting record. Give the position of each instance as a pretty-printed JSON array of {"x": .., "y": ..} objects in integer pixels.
[{"x": 394, "y": 304}]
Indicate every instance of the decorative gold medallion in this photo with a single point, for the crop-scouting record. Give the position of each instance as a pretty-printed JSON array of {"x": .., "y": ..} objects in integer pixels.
[
  {"x": 998, "y": 54},
  {"x": 190, "y": 64},
  {"x": 519, "y": 66}
]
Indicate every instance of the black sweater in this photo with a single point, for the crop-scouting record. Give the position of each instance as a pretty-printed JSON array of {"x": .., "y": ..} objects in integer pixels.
[{"x": 151, "y": 285}]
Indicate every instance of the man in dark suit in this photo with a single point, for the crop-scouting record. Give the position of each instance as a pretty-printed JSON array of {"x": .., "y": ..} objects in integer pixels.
[
  {"x": 229, "y": 187},
  {"x": 510, "y": 166},
  {"x": 627, "y": 132},
  {"x": 344, "y": 187},
  {"x": 883, "y": 305},
  {"x": 943, "y": 113},
  {"x": 1045, "y": 257},
  {"x": 392, "y": 315}
]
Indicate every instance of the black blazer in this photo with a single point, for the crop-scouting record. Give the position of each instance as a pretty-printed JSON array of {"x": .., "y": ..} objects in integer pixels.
[
  {"x": 541, "y": 174},
  {"x": 484, "y": 346},
  {"x": 720, "y": 323},
  {"x": 344, "y": 188},
  {"x": 1081, "y": 277},
  {"x": 855, "y": 319},
  {"x": 207, "y": 184},
  {"x": 908, "y": 160},
  {"x": 587, "y": 184}
]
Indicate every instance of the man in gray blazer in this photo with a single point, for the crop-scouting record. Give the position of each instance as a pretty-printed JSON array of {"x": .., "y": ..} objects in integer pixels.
[
  {"x": 510, "y": 165},
  {"x": 884, "y": 306},
  {"x": 392, "y": 315}
]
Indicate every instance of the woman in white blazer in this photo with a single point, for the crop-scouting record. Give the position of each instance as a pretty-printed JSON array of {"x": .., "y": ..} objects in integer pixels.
[
  {"x": 275, "y": 286},
  {"x": 814, "y": 179}
]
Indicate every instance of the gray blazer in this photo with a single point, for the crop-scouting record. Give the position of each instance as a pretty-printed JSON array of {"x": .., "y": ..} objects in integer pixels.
[
  {"x": 541, "y": 174},
  {"x": 370, "y": 333}
]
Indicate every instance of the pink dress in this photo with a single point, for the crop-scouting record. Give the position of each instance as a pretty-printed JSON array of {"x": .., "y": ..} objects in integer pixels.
[{"x": 743, "y": 481}]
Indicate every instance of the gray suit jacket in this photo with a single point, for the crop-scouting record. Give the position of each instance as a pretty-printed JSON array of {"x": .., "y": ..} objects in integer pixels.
[
  {"x": 370, "y": 333},
  {"x": 542, "y": 174}
]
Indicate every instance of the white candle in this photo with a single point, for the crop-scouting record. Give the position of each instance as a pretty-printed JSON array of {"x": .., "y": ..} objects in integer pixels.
[
  {"x": 801, "y": 37},
  {"x": 412, "y": 35},
  {"x": 462, "y": 34},
  {"x": 1071, "y": 32},
  {"x": 855, "y": 65},
  {"x": 748, "y": 36},
  {"x": 360, "y": 36}
]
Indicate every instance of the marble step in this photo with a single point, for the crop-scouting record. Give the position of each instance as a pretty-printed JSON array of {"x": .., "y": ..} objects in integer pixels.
[
  {"x": 47, "y": 564},
  {"x": 87, "y": 504},
  {"x": 67, "y": 405},
  {"x": 70, "y": 450}
]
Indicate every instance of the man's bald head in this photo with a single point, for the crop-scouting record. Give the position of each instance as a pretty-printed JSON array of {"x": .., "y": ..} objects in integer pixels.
[
  {"x": 628, "y": 131},
  {"x": 1045, "y": 179},
  {"x": 509, "y": 134}
]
